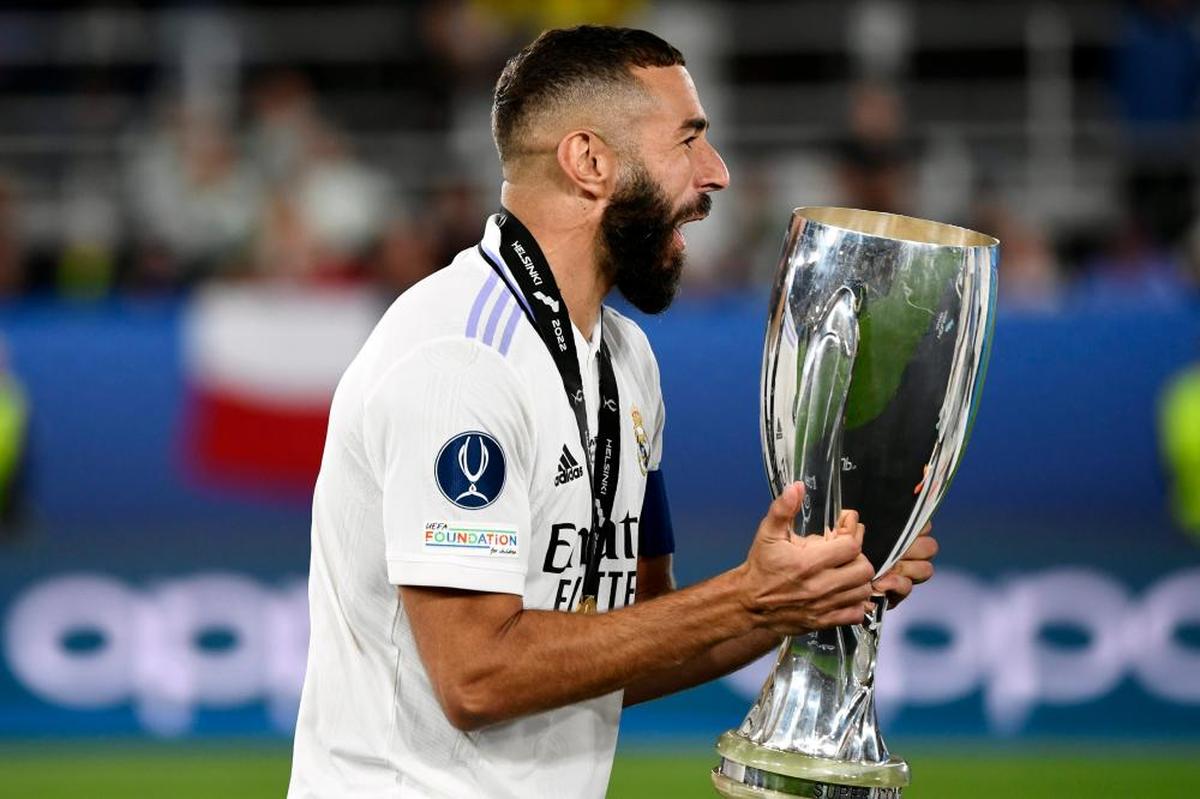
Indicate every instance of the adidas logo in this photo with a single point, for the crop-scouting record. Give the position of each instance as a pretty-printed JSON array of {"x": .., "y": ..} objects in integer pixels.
[{"x": 568, "y": 468}]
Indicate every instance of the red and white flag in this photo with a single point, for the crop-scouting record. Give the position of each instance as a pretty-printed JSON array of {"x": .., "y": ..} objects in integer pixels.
[{"x": 262, "y": 363}]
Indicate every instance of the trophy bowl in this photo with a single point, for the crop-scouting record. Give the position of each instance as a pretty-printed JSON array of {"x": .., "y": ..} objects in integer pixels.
[{"x": 876, "y": 349}]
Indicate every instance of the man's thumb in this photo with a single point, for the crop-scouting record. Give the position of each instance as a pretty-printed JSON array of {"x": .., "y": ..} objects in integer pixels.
[{"x": 781, "y": 516}]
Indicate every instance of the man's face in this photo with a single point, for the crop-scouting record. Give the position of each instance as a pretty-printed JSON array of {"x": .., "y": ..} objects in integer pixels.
[{"x": 661, "y": 187}]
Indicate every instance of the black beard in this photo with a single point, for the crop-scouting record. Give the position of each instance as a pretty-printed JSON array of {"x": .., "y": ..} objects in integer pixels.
[{"x": 636, "y": 242}]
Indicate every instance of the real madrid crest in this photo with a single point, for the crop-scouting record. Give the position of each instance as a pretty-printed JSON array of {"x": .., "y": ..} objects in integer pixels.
[{"x": 643, "y": 443}]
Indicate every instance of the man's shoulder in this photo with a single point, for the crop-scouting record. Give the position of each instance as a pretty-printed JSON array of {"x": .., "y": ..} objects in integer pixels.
[
  {"x": 457, "y": 318},
  {"x": 465, "y": 300},
  {"x": 441, "y": 296}
]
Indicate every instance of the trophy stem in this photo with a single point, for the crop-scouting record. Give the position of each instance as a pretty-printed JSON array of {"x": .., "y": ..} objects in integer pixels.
[{"x": 813, "y": 731}]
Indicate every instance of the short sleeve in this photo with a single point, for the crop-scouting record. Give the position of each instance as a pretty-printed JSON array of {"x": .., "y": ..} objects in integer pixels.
[{"x": 450, "y": 439}]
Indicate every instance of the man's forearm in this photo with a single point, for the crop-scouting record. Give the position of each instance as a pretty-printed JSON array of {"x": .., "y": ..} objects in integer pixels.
[
  {"x": 490, "y": 660},
  {"x": 721, "y": 659},
  {"x": 544, "y": 659}
]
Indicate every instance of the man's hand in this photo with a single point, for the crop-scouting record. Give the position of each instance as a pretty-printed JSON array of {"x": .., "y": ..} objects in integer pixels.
[
  {"x": 795, "y": 584},
  {"x": 913, "y": 569}
]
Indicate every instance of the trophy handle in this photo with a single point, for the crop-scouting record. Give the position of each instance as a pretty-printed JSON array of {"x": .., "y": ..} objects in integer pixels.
[{"x": 819, "y": 411}]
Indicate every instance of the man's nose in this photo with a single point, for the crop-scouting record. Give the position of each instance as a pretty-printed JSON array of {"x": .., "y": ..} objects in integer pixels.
[{"x": 713, "y": 174}]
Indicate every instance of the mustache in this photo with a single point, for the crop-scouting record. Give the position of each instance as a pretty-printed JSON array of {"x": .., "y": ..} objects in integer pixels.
[{"x": 700, "y": 207}]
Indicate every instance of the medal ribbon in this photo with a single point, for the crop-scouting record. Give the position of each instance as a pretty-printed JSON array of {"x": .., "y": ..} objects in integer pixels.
[{"x": 544, "y": 308}]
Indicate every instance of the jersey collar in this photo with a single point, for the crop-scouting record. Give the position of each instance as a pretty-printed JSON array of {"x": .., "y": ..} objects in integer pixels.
[{"x": 490, "y": 244}]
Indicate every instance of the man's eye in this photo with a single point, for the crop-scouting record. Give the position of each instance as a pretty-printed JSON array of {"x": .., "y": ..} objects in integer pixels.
[{"x": 688, "y": 141}]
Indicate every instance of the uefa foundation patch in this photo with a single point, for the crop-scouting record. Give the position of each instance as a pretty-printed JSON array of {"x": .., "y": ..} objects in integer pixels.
[{"x": 476, "y": 540}]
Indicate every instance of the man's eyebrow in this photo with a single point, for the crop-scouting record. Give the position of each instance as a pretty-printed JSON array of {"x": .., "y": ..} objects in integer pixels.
[{"x": 695, "y": 124}]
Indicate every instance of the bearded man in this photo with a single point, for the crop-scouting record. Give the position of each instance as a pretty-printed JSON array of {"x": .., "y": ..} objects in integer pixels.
[{"x": 491, "y": 544}]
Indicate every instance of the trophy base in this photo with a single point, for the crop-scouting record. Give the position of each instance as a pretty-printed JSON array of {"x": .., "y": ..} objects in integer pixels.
[
  {"x": 792, "y": 788},
  {"x": 750, "y": 771}
]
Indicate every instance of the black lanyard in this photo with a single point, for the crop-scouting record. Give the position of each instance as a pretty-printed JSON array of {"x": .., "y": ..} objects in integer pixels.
[{"x": 546, "y": 311}]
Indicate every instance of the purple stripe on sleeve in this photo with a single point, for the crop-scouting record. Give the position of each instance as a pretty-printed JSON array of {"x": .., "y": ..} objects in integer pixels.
[
  {"x": 502, "y": 301},
  {"x": 480, "y": 300},
  {"x": 508, "y": 281},
  {"x": 510, "y": 327}
]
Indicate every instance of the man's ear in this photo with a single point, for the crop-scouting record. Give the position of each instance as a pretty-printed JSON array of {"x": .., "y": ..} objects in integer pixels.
[{"x": 588, "y": 163}]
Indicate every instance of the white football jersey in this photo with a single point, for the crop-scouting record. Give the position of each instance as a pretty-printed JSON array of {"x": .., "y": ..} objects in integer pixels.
[{"x": 453, "y": 459}]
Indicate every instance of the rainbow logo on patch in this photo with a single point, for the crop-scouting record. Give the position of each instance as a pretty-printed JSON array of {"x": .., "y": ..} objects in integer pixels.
[{"x": 471, "y": 539}]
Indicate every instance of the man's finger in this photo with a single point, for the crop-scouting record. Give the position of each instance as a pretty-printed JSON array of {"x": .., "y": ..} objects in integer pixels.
[
  {"x": 847, "y": 597},
  {"x": 894, "y": 583},
  {"x": 781, "y": 515},
  {"x": 900, "y": 593},
  {"x": 918, "y": 571},
  {"x": 829, "y": 553},
  {"x": 857, "y": 531},
  {"x": 847, "y": 520},
  {"x": 922, "y": 549},
  {"x": 841, "y": 618},
  {"x": 855, "y": 573}
]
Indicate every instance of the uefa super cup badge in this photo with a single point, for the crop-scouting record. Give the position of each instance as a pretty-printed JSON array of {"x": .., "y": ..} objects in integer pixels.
[
  {"x": 470, "y": 469},
  {"x": 643, "y": 443}
]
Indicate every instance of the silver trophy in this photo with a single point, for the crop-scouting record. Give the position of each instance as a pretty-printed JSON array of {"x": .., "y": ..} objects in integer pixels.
[{"x": 876, "y": 350}]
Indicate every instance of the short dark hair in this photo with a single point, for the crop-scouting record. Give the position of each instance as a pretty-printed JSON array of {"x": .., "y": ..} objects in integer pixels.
[{"x": 566, "y": 61}]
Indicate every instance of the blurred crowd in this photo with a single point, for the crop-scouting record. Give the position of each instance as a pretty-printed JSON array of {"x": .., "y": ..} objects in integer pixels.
[
  {"x": 281, "y": 196},
  {"x": 272, "y": 186}
]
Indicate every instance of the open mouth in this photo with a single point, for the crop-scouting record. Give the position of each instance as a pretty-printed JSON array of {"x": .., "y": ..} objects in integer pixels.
[{"x": 680, "y": 241}]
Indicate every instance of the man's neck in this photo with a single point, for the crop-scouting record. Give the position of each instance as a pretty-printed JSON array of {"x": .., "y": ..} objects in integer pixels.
[{"x": 569, "y": 243}]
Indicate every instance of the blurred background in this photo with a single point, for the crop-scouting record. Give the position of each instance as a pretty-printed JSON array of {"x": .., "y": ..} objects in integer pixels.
[{"x": 204, "y": 208}]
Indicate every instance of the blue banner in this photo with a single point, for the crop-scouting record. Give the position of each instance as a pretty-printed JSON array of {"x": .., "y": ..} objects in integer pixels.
[{"x": 138, "y": 598}]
